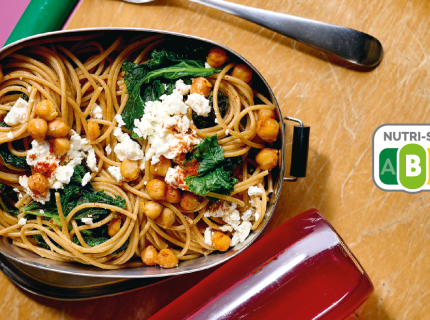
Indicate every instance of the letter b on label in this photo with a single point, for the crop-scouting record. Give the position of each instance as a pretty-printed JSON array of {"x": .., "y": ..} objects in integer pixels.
[{"x": 412, "y": 166}]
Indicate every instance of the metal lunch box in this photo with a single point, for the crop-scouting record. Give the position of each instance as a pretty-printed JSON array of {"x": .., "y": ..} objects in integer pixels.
[{"x": 298, "y": 169}]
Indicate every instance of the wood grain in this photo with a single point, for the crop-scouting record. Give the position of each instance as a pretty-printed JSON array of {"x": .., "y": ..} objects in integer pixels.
[{"x": 388, "y": 232}]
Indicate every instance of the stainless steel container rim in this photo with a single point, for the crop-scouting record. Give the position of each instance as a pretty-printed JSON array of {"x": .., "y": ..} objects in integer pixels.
[{"x": 31, "y": 259}]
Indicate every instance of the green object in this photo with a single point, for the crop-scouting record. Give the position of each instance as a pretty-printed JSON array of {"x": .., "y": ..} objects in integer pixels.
[{"x": 42, "y": 16}]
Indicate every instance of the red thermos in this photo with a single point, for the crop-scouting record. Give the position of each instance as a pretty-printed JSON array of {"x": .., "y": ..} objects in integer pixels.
[{"x": 301, "y": 270}]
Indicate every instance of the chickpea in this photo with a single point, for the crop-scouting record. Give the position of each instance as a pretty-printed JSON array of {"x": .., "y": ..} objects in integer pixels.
[
  {"x": 37, "y": 129},
  {"x": 152, "y": 209},
  {"x": 268, "y": 129},
  {"x": 190, "y": 201},
  {"x": 266, "y": 113},
  {"x": 114, "y": 226},
  {"x": 267, "y": 158},
  {"x": 220, "y": 241},
  {"x": 130, "y": 169},
  {"x": 156, "y": 189},
  {"x": 216, "y": 57},
  {"x": 57, "y": 128},
  {"x": 242, "y": 72},
  {"x": 161, "y": 167},
  {"x": 60, "y": 146},
  {"x": 46, "y": 110},
  {"x": 201, "y": 86},
  {"x": 93, "y": 130},
  {"x": 148, "y": 255},
  {"x": 166, "y": 259},
  {"x": 166, "y": 218},
  {"x": 172, "y": 195},
  {"x": 38, "y": 184}
]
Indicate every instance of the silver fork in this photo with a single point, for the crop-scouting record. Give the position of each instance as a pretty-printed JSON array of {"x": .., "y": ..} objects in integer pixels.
[{"x": 348, "y": 44}]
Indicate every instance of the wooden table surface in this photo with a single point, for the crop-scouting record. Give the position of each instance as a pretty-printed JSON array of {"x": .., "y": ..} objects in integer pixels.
[{"x": 388, "y": 232}]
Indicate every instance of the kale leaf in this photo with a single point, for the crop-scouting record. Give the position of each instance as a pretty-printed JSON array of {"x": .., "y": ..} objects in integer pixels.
[
  {"x": 211, "y": 155},
  {"x": 214, "y": 170},
  {"x": 95, "y": 237},
  {"x": 41, "y": 242},
  {"x": 4, "y": 125},
  {"x": 209, "y": 121},
  {"x": 47, "y": 210},
  {"x": 11, "y": 159},
  {"x": 218, "y": 181}
]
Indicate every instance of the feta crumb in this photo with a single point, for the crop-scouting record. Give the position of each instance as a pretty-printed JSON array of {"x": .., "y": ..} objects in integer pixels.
[
  {"x": 16, "y": 190},
  {"x": 226, "y": 132},
  {"x": 127, "y": 148},
  {"x": 91, "y": 160},
  {"x": 86, "y": 179},
  {"x": 182, "y": 88},
  {"x": 18, "y": 113},
  {"x": 116, "y": 173},
  {"x": 108, "y": 149},
  {"x": 119, "y": 120},
  {"x": 257, "y": 216},
  {"x": 10, "y": 135},
  {"x": 87, "y": 220},
  {"x": 208, "y": 236},
  {"x": 41, "y": 211},
  {"x": 207, "y": 65},
  {"x": 176, "y": 178},
  {"x": 241, "y": 233},
  {"x": 255, "y": 191},
  {"x": 96, "y": 112},
  {"x": 247, "y": 214},
  {"x": 216, "y": 120},
  {"x": 199, "y": 104},
  {"x": 22, "y": 221},
  {"x": 226, "y": 228}
]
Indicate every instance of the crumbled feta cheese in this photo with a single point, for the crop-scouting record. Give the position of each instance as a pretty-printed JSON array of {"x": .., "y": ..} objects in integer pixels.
[
  {"x": 226, "y": 132},
  {"x": 91, "y": 160},
  {"x": 116, "y": 173},
  {"x": 119, "y": 120},
  {"x": 247, "y": 214},
  {"x": 241, "y": 233},
  {"x": 10, "y": 135},
  {"x": 182, "y": 88},
  {"x": 18, "y": 113},
  {"x": 16, "y": 190},
  {"x": 227, "y": 212},
  {"x": 86, "y": 179},
  {"x": 257, "y": 216},
  {"x": 127, "y": 148},
  {"x": 22, "y": 221},
  {"x": 41, "y": 211},
  {"x": 208, "y": 236},
  {"x": 207, "y": 65},
  {"x": 96, "y": 112},
  {"x": 255, "y": 191},
  {"x": 176, "y": 178},
  {"x": 108, "y": 149},
  {"x": 117, "y": 132},
  {"x": 167, "y": 127},
  {"x": 87, "y": 220},
  {"x": 199, "y": 104},
  {"x": 216, "y": 121},
  {"x": 226, "y": 228}
]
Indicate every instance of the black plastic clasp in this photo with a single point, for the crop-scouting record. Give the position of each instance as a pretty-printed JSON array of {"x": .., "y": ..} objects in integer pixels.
[{"x": 300, "y": 150}]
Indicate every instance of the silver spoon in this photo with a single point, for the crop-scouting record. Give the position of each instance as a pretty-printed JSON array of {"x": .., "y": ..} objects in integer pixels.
[{"x": 351, "y": 45}]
